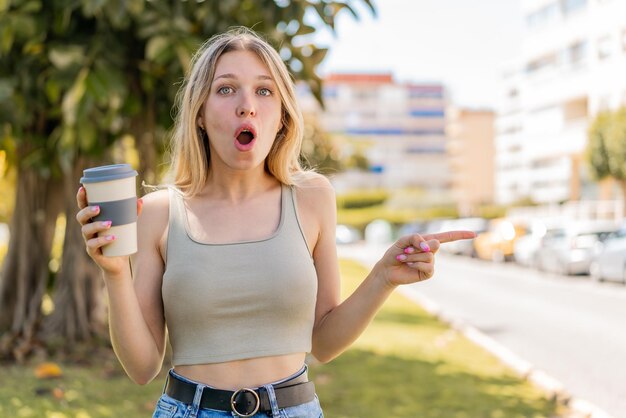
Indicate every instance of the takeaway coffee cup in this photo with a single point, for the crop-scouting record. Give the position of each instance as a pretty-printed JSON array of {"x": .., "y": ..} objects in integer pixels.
[{"x": 112, "y": 187}]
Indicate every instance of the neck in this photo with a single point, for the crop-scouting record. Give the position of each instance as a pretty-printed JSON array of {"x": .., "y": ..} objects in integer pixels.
[{"x": 237, "y": 185}]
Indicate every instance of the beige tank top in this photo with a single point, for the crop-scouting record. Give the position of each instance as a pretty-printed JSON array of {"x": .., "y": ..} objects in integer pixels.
[{"x": 241, "y": 300}]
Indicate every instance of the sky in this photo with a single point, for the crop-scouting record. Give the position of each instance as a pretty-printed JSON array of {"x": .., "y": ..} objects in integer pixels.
[{"x": 461, "y": 43}]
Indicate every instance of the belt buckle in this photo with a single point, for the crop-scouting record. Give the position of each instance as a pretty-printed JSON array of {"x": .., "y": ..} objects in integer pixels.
[{"x": 234, "y": 400}]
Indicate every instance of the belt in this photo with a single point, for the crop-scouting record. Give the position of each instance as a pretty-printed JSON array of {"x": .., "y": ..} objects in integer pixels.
[{"x": 244, "y": 402}]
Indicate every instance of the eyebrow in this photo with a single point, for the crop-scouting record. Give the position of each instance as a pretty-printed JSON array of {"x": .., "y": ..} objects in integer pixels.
[{"x": 233, "y": 76}]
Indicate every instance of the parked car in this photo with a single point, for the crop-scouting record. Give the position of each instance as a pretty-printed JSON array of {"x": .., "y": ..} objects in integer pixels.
[
  {"x": 526, "y": 248},
  {"x": 464, "y": 246},
  {"x": 496, "y": 243},
  {"x": 415, "y": 227},
  {"x": 569, "y": 250},
  {"x": 609, "y": 258}
]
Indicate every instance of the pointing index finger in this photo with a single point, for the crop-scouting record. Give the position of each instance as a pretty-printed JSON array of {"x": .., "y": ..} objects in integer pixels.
[{"x": 449, "y": 236}]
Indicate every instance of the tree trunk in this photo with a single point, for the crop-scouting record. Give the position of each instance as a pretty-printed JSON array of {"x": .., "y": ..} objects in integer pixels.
[
  {"x": 79, "y": 302},
  {"x": 25, "y": 273}
]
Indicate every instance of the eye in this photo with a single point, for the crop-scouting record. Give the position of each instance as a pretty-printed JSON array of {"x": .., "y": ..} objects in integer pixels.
[
  {"x": 263, "y": 91},
  {"x": 225, "y": 90}
]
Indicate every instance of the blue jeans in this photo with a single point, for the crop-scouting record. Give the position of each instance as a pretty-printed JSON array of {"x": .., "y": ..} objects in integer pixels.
[{"x": 168, "y": 407}]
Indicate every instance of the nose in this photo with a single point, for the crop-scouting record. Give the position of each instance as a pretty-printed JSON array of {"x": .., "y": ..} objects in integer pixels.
[{"x": 246, "y": 107}]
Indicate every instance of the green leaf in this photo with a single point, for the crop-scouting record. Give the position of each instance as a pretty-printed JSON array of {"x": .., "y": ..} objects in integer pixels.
[
  {"x": 87, "y": 134},
  {"x": 32, "y": 6},
  {"x": 318, "y": 55},
  {"x": 53, "y": 90},
  {"x": 72, "y": 98},
  {"x": 156, "y": 46},
  {"x": 4, "y": 5},
  {"x": 7, "y": 38},
  {"x": 305, "y": 29},
  {"x": 64, "y": 56}
]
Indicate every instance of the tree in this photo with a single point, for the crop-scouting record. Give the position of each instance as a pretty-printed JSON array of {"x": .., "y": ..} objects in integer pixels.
[
  {"x": 75, "y": 77},
  {"x": 606, "y": 147}
]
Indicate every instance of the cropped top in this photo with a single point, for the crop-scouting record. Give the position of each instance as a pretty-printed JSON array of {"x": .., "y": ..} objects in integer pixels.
[{"x": 242, "y": 300}]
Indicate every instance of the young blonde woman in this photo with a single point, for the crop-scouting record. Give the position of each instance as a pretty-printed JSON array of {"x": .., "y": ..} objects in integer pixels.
[{"x": 237, "y": 257}]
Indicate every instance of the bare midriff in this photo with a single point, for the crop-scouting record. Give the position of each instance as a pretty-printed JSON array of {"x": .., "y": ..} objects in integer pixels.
[{"x": 249, "y": 373}]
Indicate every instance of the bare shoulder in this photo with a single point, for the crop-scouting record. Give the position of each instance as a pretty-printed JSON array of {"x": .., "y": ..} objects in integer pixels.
[
  {"x": 156, "y": 201},
  {"x": 155, "y": 209},
  {"x": 314, "y": 189}
]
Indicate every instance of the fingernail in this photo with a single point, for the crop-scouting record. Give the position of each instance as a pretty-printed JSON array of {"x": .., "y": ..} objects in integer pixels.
[
  {"x": 409, "y": 250},
  {"x": 424, "y": 247},
  {"x": 107, "y": 224},
  {"x": 110, "y": 237},
  {"x": 401, "y": 257},
  {"x": 95, "y": 209}
]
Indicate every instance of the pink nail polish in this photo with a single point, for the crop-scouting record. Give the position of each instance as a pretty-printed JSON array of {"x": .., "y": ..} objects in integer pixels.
[
  {"x": 424, "y": 247},
  {"x": 110, "y": 237},
  {"x": 409, "y": 250},
  {"x": 401, "y": 257}
]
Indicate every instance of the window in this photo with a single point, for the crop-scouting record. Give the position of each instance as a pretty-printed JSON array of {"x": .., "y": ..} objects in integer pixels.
[
  {"x": 577, "y": 53},
  {"x": 604, "y": 47},
  {"x": 570, "y": 6},
  {"x": 542, "y": 62},
  {"x": 543, "y": 15}
]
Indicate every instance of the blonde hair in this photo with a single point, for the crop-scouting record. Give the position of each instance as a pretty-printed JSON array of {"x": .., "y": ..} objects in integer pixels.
[{"x": 189, "y": 167}]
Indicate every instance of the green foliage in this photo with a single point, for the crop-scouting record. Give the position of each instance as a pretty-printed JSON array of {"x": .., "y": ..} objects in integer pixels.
[
  {"x": 596, "y": 154},
  {"x": 362, "y": 199},
  {"x": 497, "y": 211},
  {"x": 361, "y": 217},
  {"x": 616, "y": 145},
  {"x": 606, "y": 148},
  {"x": 319, "y": 151},
  {"x": 76, "y": 76},
  {"x": 7, "y": 190}
]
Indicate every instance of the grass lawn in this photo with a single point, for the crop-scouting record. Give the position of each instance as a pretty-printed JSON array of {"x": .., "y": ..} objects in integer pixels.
[{"x": 406, "y": 364}]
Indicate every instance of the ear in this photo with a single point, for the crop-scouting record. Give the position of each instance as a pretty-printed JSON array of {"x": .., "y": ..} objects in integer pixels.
[{"x": 199, "y": 120}]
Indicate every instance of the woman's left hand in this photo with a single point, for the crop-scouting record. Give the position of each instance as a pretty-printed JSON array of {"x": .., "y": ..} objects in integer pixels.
[{"x": 412, "y": 258}]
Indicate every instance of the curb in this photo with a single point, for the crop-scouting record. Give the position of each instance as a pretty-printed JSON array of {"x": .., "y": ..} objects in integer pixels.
[{"x": 554, "y": 388}]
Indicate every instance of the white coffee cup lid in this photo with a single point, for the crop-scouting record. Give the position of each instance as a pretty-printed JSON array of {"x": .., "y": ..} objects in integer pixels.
[{"x": 107, "y": 173}]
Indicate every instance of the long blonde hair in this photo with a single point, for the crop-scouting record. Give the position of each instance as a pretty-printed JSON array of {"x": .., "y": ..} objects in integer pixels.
[{"x": 189, "y": 167}]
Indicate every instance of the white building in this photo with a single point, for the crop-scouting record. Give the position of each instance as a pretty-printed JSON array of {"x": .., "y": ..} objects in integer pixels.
[
  {"x": 401, "y": 126},
  {"x": 573, "y": 64}
]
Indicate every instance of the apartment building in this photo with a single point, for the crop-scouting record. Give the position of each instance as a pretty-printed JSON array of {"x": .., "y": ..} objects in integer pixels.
[
  {"x": 470, "y": 148},
  {"x": 571, "y": 67},
  {"x": 399, "y": 126}
]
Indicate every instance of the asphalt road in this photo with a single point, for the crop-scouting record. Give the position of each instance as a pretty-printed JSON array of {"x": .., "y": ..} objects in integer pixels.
[{"x": 569, "y": 327}]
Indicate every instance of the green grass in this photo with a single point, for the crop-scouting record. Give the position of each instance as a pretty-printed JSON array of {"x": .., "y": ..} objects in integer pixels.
[
  {"x": 82, "y": 392},
  {"x": 406, "y": 364}
]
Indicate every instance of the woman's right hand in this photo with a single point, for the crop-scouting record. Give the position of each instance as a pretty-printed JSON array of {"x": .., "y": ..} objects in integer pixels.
[{"x": 111, "y": 266}]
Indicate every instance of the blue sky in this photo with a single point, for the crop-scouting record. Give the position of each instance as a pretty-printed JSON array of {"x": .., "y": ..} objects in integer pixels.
[{"x": 461, "y": 43}]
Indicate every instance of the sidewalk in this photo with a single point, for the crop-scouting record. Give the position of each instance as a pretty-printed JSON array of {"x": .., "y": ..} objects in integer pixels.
[{"x": 369, "y": 254}]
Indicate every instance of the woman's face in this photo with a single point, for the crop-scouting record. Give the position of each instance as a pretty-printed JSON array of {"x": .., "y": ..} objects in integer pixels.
[{"x": 242, "y": 113}]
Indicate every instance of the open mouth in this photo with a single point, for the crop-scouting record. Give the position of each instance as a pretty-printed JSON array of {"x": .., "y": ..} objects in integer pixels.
[{"x": 245, "y": 137}]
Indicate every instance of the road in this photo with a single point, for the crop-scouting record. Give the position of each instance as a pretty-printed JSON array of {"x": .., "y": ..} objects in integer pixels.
[{"x": 569, "y": 327}]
